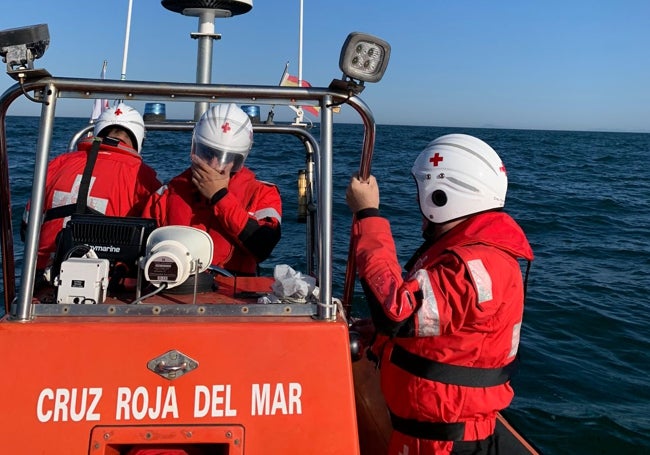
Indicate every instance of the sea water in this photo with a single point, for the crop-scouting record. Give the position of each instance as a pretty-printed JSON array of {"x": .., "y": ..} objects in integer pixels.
[{"x": 583, "y": 386}]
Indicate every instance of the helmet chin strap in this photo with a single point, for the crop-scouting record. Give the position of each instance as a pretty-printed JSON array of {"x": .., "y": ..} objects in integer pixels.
[
  {"x": 431, "y": 231},
  {"x": 117, "y": 142},
  {"x": 112, "y": 140},
  {"x": 428, "y": 230}
]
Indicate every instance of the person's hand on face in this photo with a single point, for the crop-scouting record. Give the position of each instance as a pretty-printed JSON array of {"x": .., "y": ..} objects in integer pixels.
[{"x": 207, "y": 179}]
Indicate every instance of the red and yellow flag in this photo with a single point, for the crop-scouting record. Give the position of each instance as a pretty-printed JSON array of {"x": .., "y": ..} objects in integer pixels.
[{"x": 292, "y": 81}]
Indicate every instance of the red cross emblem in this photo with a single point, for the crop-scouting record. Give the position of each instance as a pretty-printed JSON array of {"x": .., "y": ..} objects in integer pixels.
[
  {"x": 118, "y": 111},
  {"x": 435, "y": 159},
  {"x": 225, "y": 127}
]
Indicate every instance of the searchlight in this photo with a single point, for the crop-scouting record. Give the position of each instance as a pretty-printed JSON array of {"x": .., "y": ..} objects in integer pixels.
[
  {"x": 364, "y": 58},
  {"x": 19, "y": 47}
]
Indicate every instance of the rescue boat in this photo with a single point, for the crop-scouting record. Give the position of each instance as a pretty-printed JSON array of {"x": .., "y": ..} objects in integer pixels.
[{"x": 190, "y": 359}]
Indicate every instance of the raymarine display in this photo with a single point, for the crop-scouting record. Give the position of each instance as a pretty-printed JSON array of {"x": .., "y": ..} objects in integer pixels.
[{"x": 121, "y": 240}]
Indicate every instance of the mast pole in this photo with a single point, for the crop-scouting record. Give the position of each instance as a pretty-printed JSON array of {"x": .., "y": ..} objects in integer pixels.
[
  {"x": 300, "y": 45},
  {"x": 205, "y": 36},
  {"x": 300, "y": 112},
  {"x": 207, "y": 12},
  {"x": 125, "y": 55}
]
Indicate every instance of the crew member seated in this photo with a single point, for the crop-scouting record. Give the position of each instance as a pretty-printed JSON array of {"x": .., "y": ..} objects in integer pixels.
[{"x": 221, "y": 196}]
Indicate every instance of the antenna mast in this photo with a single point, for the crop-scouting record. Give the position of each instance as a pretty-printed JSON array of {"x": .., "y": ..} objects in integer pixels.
[
  {"x": 206, "y": 11},
  {"x": 125, "y": 55},
  {"x": 300, "y": 113},
  {"x": 205, "y": 35}
]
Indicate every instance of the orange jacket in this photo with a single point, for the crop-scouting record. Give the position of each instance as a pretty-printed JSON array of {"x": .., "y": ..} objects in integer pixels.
[
  {"x": 244, "y": 224},
  {"x": 460, "y": 305},
  {"x": 120, "y": 186}
]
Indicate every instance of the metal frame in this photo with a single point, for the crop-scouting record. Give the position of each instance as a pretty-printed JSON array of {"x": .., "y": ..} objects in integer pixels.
[{"x": 49, "y": 89}]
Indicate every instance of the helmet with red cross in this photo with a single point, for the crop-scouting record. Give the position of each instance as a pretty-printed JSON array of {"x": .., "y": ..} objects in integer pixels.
[
  {"x": 125, "y": 118},
  {"x": 223, "y": 135},
  {"x": 459, "y": 175}
]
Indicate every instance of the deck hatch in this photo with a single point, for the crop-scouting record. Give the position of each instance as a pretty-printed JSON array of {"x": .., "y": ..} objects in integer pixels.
[{"x": 214, "y": 439}]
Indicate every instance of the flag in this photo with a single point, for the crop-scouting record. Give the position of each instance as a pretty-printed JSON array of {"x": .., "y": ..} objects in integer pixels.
[
  {"x": 100, "y": 105},
  {"x": 292, "y": 81}
]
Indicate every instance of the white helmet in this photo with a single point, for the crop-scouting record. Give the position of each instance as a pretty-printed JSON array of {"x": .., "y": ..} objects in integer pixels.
[
  {"x": 225, "y": 133},
  {"x": 124, "y": 117},
  {"x": 458, "y": 175}
]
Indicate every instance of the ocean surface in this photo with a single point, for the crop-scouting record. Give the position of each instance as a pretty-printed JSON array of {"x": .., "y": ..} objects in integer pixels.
[{"x": 583, "y": 199}]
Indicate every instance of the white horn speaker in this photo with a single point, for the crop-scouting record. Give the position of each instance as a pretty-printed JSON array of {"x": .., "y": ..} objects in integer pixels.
[{"x": 173, "y": 253}]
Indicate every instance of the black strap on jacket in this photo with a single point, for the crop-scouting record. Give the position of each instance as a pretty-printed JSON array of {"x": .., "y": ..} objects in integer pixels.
[
  {"x": 435, "y": 431},
  {"x": 81, "y": 206},
  {"x": 451, "y": 374},
  {"x": 84, "y": 187}
]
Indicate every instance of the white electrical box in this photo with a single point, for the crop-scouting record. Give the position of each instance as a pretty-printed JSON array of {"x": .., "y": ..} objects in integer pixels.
[{"x": 83, "y": 280}]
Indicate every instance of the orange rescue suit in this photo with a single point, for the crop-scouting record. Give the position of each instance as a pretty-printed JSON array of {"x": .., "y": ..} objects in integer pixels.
[
  {"x": 460, "y": 305},
  {"x": 244, "y": 224},
  {"x": 120, "y": 186}
]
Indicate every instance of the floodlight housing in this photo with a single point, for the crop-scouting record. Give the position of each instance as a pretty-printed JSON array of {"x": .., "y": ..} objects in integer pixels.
[
  {"x": 364, "y": 57},
  {"x": 19, "y": 47}
]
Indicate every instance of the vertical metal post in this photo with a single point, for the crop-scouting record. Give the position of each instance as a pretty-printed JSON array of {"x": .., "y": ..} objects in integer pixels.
[
  {"x": 300, "y": 114},
  {"x": 204, "y": 55},
  {"x": 326, "y": 308},
  {"x": 127, "y": 34},
  {"x": 300, "y": 23},
  {"x": 22, "y": 311}
]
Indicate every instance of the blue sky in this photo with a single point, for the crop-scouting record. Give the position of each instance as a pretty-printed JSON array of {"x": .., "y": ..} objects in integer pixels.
[{"x": 571, "y": 65}]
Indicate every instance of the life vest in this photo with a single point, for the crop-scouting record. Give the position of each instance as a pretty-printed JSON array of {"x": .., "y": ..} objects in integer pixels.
[{"x": 445, "y": 374}]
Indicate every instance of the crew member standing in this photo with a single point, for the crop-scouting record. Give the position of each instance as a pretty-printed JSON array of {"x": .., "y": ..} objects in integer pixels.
[{"x": 448, "y": 331}]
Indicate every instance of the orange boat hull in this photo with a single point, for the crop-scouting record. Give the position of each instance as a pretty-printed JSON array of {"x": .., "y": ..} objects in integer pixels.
[{"x": 261, "y": 385}]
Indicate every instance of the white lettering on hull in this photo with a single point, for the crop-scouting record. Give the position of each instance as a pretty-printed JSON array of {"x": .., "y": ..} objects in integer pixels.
[
  {"x": 61, "y": 405},
  {"x": 137, "y": 405},
  {"x": 286, "y": 399},
  {"x": 214, "y": 402},
  {"x": 160, "y": 403}
]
